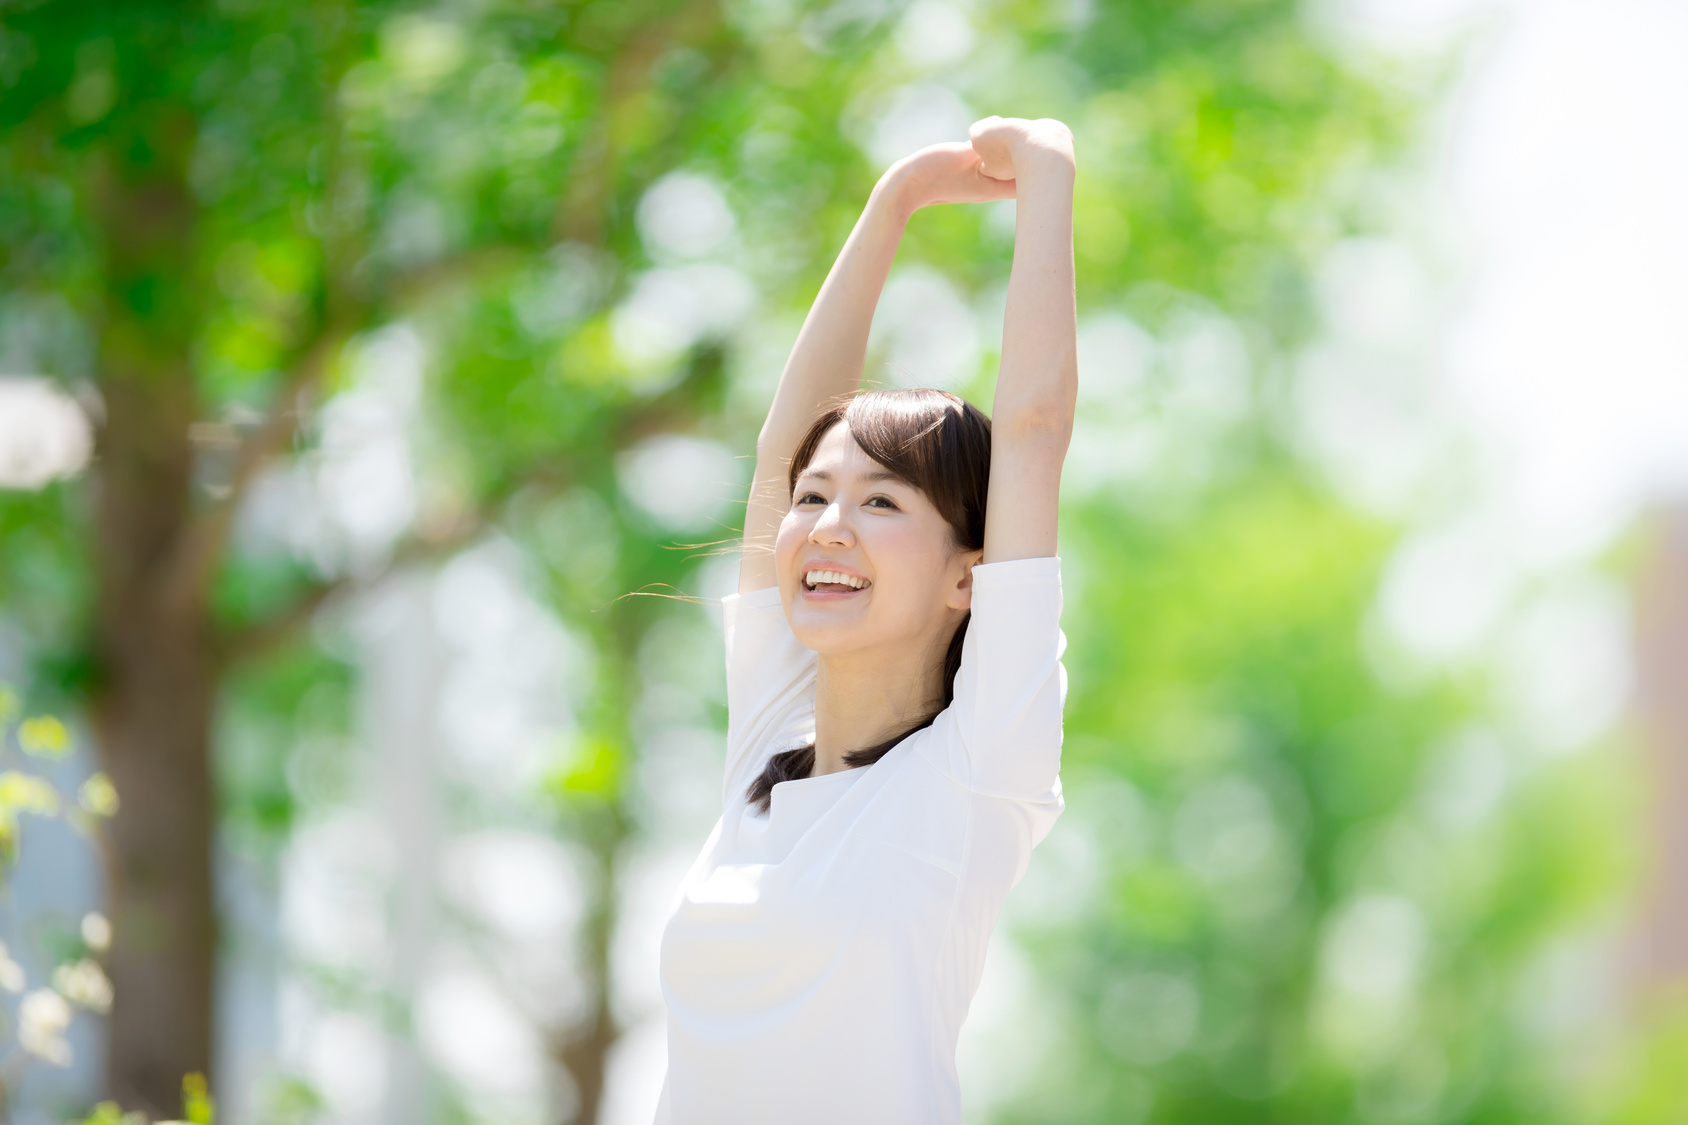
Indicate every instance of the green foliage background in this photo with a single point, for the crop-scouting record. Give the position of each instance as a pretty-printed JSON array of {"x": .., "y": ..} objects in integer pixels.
[{"x": 1243, "y": 788}]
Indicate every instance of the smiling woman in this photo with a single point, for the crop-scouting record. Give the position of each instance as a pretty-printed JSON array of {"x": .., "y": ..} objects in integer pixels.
[
  {"x": 916, "y": 464},
  {"x": 894, "y": 688}
]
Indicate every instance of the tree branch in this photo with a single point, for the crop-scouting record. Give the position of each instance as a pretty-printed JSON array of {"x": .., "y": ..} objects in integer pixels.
[
  {"x": 260, "y": 637},
  {"x": 429, "y": 544},
  {"x": 582, "y": 214},
  {"x": 201, "y": 547},
  {"x": 666, "y": 411},
  {"x": 201, "y": 544}
]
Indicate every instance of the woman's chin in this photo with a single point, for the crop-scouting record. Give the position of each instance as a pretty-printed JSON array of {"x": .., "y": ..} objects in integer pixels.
[{"x": 826, "y": 632}]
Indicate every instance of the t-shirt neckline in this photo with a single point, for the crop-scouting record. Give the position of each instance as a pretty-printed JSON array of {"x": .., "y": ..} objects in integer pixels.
[{"x": 853, "y": 770}]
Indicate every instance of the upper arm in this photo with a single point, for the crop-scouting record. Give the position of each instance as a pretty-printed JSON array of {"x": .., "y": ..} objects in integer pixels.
[
  {"x": 1025, "y": 485},
  {"x": 825, "y": 363},
  {"x": 769, "y": 498},
  {"x": 1037, "y": 386},
  {"x": 1011, "y": 689},
  {"x": 770, "y": 684}
]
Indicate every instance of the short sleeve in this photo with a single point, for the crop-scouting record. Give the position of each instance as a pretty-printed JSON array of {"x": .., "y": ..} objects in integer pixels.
[
  {"x": 770, "y": 686},
  {"x": 1011, "y": 686}
]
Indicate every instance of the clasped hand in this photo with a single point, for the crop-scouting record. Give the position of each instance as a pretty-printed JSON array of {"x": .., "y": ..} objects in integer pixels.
[{"x": 986, "y": 166}]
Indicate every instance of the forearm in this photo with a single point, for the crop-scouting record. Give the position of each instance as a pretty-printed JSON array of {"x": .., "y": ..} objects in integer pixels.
[
  {"x": 827, "y": 359},
  {"x": 1038, "y": 381}
]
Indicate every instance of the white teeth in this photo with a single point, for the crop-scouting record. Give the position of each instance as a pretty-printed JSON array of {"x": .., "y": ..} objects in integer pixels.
[{"x": 815, "y": 577}]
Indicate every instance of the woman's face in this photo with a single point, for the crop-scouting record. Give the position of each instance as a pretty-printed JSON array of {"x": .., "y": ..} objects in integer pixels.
[{"x": 903, "y": 580}]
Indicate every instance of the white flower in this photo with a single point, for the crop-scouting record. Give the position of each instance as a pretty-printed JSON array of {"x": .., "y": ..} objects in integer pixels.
[
  {"x": 11, "y": 973},
  {"x": 96, "y": 932},
  {"x": 43, "y": 1017},
  {"x": 44, "y": 433},
  {"x": 84, "y": 983}
]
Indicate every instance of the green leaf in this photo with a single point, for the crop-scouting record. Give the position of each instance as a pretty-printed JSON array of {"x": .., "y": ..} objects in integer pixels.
[
  {"x": 26, "y": 793},
  {"x": 44, "y": 736},
  {"x": 98, "y": 795},
  {"x": 288, "y": 1100},
  {"x": 110, "y": 1113},
  {"x": 196, "y": 1100},
  {"x": 593, "y": 771}
]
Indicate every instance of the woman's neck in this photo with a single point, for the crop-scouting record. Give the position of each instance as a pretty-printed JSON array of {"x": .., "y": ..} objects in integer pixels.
[{"x": 864, "y": 698}]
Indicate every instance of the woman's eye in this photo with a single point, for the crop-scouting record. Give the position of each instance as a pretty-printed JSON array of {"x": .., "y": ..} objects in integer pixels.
[
  {"x": 883, "y": 501},
  {"x": 808, "y": 496}
]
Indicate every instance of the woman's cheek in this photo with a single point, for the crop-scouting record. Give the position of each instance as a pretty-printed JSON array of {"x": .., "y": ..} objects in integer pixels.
[
  {"x": 786, "y": 541},
  {"x": 904, "y": 551}
]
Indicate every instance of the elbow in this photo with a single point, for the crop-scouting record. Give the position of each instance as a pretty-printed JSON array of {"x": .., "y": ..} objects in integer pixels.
[
  {"x": 1037, "y": 407},
  {"x": 1046, "y": 420}
]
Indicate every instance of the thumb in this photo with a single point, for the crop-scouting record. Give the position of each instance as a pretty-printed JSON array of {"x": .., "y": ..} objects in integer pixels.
[{"x": 995, "y": 169}]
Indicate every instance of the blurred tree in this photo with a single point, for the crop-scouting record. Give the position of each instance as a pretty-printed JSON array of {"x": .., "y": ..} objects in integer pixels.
[
  {"x": 1294, "y": 891},
  {"x": 203, "y": 204}
]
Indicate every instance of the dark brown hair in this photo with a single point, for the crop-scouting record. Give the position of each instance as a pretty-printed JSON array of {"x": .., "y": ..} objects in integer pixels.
[{"x": 939, "y": 444}]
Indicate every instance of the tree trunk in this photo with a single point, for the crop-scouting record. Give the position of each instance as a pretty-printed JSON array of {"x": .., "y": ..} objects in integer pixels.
[
  {"x": 605, "y": 829},
  {"x": 152, "y": 711},
  {"x": 155, "y": 666},
  {"x": 584, "y": 1052}
]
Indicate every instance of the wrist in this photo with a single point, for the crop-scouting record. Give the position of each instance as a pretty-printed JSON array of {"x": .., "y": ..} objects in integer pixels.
[
  {"x": 895, "y": 194},
  {"x": 1032, "y": 158}
]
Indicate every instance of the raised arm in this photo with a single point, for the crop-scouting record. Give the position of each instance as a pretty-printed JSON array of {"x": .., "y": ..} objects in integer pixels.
[
  {"x": 827, "y": 359},
  {"x": 1037, "y": 383}
]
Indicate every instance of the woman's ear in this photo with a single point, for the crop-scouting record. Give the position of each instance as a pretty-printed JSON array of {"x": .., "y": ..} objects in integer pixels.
[{"x": 961, "y": 594}]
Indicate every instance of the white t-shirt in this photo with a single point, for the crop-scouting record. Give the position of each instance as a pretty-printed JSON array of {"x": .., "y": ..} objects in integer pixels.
[{"x": 819, "y": 961}]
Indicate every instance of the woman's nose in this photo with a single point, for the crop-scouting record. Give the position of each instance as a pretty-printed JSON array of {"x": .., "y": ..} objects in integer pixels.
[{"x": 830, "y": 526}]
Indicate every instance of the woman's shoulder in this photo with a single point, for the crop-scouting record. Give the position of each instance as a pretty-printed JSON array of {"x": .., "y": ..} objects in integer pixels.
[{"x": 1040, "y": 570}]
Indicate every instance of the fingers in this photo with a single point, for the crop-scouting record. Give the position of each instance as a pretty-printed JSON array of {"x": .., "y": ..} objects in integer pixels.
[
  {"x": 988, "y": 188},
  {"x": 988, "y": 133},
  {"x": 991, "y": 138},
  {"x": 1006, "y": 144},
  {"x": 952, "y": 172}
]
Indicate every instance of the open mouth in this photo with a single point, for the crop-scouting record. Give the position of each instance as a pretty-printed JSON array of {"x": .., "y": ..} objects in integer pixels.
[{"x": 833, "y": 582}]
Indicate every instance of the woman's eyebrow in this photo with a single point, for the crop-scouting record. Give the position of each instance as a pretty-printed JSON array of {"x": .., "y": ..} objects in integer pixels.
[{"x": 879, "y": 474}]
